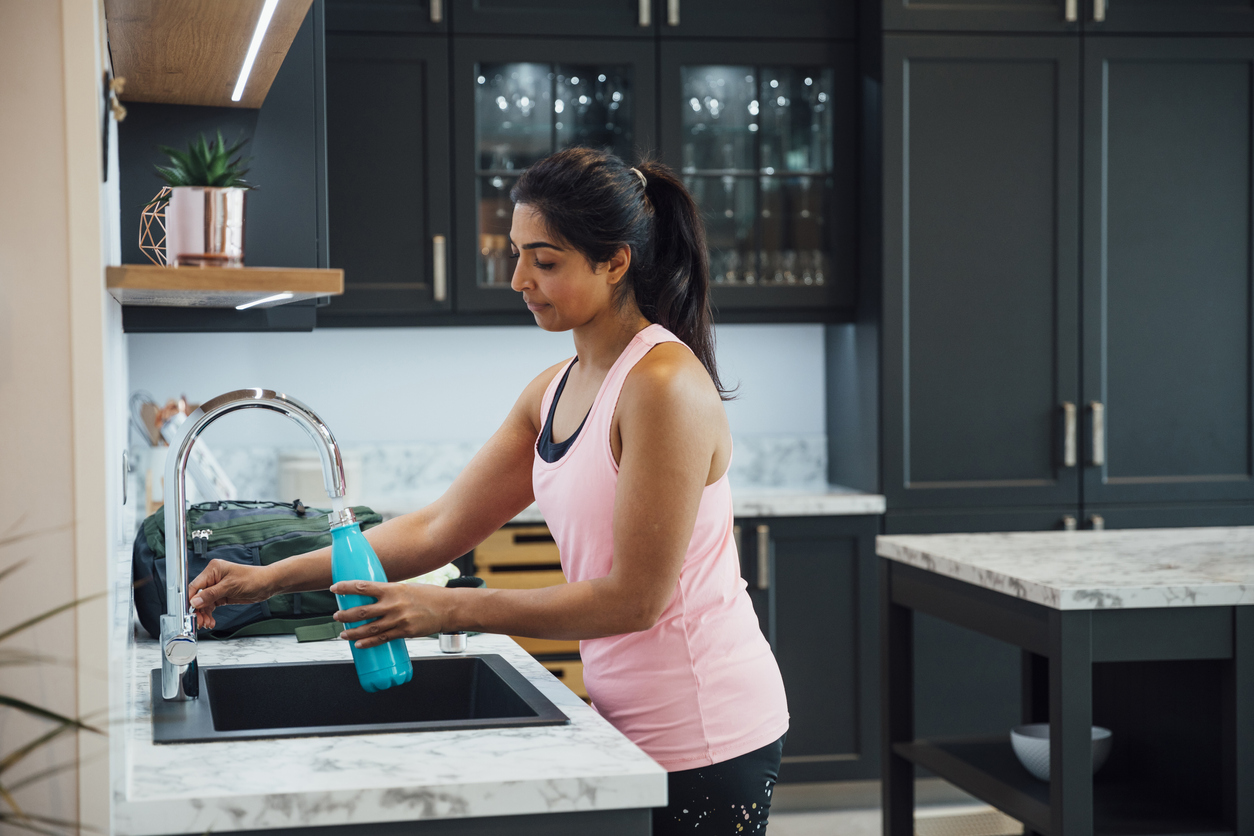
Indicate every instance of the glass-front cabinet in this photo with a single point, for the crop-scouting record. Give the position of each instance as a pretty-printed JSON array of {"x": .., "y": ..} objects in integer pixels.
[
  {"x": 518, "y": 102},
  {"x": 768, "y": 149}
]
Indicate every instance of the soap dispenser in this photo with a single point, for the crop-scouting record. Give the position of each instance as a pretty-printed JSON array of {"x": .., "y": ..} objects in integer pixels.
[{"x": 353, "y": 559}]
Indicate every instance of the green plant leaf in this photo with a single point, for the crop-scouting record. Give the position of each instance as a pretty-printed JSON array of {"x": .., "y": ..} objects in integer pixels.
[
  {"x": 9, "y": 570},
  {"x": 22, "y": 705},
  {"x": 206, "y": 163},
  {"x": 31, "y": 622}
]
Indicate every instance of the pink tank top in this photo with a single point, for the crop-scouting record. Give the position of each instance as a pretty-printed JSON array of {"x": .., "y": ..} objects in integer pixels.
[{"x": 701, "y": 686}]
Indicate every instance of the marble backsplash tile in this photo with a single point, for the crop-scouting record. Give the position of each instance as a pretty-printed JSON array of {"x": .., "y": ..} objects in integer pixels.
[{"x": 424, "y": 469}]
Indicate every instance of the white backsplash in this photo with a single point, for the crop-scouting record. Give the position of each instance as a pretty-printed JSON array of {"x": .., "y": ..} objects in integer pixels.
[{"x": 422, "y": 470}]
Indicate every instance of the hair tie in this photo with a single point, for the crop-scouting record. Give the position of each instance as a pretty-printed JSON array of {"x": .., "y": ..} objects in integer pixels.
[{"x": 644, "y": 184}]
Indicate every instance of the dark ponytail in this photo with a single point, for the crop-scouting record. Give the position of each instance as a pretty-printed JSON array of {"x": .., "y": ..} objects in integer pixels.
[{"x": 597, "y": 204}]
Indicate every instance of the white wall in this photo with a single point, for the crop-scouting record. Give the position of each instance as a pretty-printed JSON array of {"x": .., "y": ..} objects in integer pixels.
[{"x": 447, "y": 384}]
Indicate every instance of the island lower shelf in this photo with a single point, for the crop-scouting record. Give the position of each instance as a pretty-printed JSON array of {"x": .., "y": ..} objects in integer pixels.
[{"x": 987, "y": 768}]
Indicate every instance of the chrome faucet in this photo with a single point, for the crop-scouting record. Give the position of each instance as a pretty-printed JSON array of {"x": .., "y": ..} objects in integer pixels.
[{"x": 180, "y": 677}]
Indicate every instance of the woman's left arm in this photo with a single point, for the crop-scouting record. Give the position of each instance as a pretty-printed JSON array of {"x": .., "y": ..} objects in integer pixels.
[{"x": 670, "y": 420}]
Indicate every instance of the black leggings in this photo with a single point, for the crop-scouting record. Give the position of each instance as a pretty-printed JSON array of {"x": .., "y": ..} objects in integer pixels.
[{"x": 729, "y": 798}]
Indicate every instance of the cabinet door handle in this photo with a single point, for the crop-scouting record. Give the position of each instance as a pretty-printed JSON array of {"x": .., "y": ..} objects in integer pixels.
[
  {"x": 1099, "y": 11},
  {"x": 672, "y": 12},
  {"x": 437, "y": 11},
  {"x": 1099, "y": 433},
  {"x": 1097, "y": 522},
  {"x": 126, "y": 471},
  {"x": 1070, "y": 12},
  {"x": 439, "y": 265},
  {"x": 764, "y": 557},
  {"x": 1068, "y": 434},
  {"x": 646, "y": 12},
  {"x": 1068, "y": 523}
]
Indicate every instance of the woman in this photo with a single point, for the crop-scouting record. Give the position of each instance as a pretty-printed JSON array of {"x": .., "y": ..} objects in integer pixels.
[{"x": 625, "y": 448}]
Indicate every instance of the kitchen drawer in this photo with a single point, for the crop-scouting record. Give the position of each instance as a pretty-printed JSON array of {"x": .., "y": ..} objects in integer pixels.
[
  {"x": 524, "y": 557},
  {"x": 571, "y": 674},
  {"x": 529, "y": 545},
  {"x": 542, "y": 647}
]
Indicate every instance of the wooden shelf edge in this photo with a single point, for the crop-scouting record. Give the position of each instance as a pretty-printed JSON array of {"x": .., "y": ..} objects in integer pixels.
[{"x": 218, "y": 287}]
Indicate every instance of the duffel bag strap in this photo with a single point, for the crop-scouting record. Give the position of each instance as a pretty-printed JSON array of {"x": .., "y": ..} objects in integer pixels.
[{"x": 317, "y": 628}]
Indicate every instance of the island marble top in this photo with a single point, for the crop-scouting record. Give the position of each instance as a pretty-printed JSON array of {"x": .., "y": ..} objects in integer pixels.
[{"x": 1088, "y": 570}]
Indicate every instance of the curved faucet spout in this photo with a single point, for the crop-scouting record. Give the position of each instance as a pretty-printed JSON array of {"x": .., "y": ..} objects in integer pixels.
[{"x": 179, "y": 674}]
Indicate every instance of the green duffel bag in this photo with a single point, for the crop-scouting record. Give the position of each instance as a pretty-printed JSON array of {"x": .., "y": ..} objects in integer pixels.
[{"x": 253, "y": 533}]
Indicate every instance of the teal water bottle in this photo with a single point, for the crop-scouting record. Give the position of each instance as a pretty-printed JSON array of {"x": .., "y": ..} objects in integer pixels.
[{"x": 353, "y": 559}]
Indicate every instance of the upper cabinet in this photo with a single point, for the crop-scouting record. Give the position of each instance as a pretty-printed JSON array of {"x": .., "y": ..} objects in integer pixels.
[
  {"x": 1053, "y": 16},
  {"x": 517, "y": 101},
  {"x": 766, "y": 140},
  {"x": 423, "y": 17},
  {"x": 803, "y": 19},
  {"x": 548, "y": 18},
  {"x": 793, "y": 19},
  {"x": 388, "y": 176}
]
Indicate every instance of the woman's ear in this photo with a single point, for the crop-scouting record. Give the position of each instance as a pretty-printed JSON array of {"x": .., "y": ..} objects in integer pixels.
[{"x": 617, "y": 266}]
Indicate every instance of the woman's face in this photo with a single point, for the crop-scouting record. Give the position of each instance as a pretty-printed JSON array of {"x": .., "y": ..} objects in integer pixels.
[{"x": 561, "y": 289}]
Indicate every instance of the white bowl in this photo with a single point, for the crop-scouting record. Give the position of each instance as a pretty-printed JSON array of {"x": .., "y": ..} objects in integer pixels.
[{"x": 1031, "y": 745}]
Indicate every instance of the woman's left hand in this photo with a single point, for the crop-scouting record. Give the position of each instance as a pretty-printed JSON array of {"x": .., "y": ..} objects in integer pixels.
[{"x": 402, "y": 611}]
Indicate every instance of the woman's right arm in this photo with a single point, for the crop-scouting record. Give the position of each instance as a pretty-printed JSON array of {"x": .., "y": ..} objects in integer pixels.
[{"x": 488, "y": 493}]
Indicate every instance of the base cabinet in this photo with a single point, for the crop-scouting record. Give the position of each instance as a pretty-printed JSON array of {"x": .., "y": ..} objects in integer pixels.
[{"x": 813, "y": 583}]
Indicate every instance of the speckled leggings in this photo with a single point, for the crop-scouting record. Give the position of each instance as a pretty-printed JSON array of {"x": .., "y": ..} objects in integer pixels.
[{"x": 726, "y": 799}]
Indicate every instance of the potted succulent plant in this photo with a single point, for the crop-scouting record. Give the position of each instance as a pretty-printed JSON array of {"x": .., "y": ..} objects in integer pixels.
[{"x": 204, "y": 216}]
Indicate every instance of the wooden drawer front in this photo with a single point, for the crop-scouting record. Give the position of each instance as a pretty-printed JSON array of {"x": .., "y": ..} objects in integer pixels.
[
  {"x": 517, "y": 546},
  {"x": 536, "y": 579},
  {"x": 571, "y": 674},
  {"x": 543, "y": 647}
]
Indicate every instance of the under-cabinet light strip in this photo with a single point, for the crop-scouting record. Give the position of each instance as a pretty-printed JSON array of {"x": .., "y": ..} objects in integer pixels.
[
  {"x": 275, "y": 298},
  {"x": 259, "y": 35}
]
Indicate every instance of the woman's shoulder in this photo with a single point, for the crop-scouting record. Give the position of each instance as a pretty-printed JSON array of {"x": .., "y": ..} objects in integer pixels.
[{"x": 670, "y": 374}]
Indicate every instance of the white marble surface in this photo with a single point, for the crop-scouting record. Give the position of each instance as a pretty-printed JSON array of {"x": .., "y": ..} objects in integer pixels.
[
  {"x": 244, "y": 785},
  {"x": 1086, "y": 570}
]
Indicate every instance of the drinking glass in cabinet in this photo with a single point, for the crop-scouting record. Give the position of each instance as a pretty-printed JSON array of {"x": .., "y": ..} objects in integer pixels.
[
  {"x": 757, "y": 155},
  {"x": 526, "y": 111}
]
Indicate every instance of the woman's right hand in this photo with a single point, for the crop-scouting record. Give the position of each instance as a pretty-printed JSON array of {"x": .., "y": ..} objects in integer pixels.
[{"x": 224, "y": 582}]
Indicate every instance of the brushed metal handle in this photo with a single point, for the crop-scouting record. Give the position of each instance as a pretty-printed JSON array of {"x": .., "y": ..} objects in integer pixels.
[
  {"x": 1068, "y": 523},
  {"x": 764, "y": 557},
  {"x": 1099, "y": 11},
  {"x": 1068, "y": 434},
  {"x": 1071, "y": 13},
  {"x": 437, "y": 11},
  {"x": 1099, "y": 433},
  {"x": 1097, "y": 522},
  {"x": 126, "y": 470},
  {"x": 439, "y": 264},
  {"x": 672, "y": 12},
  {"x": 646, "y": 12}
]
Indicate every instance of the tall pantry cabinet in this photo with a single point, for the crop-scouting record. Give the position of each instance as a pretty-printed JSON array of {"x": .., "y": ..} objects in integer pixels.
[{"x": 1067, "y": 306}]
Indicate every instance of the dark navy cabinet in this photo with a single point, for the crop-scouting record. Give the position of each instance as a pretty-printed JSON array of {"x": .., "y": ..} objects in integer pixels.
[
  {"x": 549, "y": 18},
  {"x": 427, "y": 17},
  {"x": 1070, "y": 16},
  {"x": 813, "y": 582},
  {"x": 981, "y": 243},
  {"x": 785, "y": 19},
  {"x": 388, "y": 163},
  {"x": 1167, "y": 275}
]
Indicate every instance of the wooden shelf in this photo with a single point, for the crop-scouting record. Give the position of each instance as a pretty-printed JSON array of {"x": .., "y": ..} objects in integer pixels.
[
  {"x": 218, "y": 287},
  {"x": 987, "y": 768},
  {"x": 190, "y": 52}
]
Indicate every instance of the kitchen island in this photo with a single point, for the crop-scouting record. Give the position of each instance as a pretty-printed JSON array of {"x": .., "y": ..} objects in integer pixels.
[
  {"x": 584, "y": 777},
  {"x": 1149, "y": 633}
]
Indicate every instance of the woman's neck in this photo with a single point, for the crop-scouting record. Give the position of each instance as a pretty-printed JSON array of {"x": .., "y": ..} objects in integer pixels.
[{"x": 598, "y": 343}]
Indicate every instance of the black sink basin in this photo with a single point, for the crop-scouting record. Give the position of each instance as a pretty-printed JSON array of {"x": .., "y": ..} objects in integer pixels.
[{"x": 302, "y": 699}]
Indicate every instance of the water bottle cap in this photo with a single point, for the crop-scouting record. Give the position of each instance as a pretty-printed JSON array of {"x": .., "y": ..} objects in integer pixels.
[{"x": 341, "y": 518}]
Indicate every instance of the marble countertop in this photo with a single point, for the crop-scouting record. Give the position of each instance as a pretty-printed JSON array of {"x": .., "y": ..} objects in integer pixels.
[
  {"x": 294, "y": 782},
  {"x": 814, "y": 500},
  {"x": 1086, "y": 570}
]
